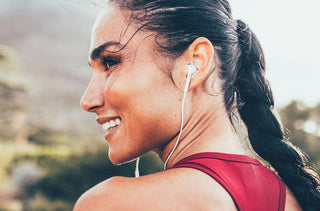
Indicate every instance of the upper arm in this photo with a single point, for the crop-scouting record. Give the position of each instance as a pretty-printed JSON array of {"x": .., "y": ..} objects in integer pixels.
[
  {"x": 176, "y": 189},
  {"x": 100, "y": 197},
  {"x": 120, "y": 193}
]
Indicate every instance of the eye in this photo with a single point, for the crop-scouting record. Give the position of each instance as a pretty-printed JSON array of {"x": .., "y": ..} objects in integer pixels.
[{"x": 108, "y": 62}]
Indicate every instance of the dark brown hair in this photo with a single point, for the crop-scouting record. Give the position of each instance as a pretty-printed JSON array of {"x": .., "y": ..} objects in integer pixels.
[{"x": 178, "y": 23}]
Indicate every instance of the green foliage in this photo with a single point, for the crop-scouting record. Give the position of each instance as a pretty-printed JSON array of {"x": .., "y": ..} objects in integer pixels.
[
  {"x": 70, "y": 174},
  {"x": 47, "y": 136},
  {"x": 10, "y": 104},
  {"x": 12, "y": 92},
  {"x": 40, "y": 203}
]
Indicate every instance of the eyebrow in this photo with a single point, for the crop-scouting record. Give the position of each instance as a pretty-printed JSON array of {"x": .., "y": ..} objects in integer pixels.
[{"x": 96, "y": 53}]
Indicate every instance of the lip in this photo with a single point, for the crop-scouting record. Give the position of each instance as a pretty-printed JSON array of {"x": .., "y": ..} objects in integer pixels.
[
  {"x": 102, "y": 120},
  {"x": 110, "y": 133}
]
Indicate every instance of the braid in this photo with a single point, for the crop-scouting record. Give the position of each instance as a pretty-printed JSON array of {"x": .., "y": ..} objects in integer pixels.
[
  {"x": 255, "y": 102},
  {"x": 177, "y": 24}
]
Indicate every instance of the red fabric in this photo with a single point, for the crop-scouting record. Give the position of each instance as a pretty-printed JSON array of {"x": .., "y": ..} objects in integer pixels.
[{"x": 251, "y": 185}]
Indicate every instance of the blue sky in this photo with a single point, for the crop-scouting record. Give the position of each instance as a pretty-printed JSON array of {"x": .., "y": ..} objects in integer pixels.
[{"x": 289, "y": 32}]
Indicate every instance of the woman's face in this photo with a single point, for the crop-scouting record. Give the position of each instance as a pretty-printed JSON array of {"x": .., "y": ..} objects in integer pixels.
[{"x": 130, "y": 90}]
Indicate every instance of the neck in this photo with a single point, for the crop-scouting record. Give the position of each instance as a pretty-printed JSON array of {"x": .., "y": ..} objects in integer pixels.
[{"x": 206, "y": 130}]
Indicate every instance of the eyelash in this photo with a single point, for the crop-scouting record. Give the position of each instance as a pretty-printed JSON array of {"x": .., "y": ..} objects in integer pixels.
[{"x": 109, "y": 61}]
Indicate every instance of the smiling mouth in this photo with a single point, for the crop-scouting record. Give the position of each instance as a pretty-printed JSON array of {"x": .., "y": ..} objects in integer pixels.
[{"x": 111, "y": 124}]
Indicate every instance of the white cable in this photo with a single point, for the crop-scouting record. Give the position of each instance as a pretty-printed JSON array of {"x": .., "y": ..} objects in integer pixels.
[
  {"x": 191, "y": 70},
  {"x": 137, "y": 168},
  {"x": 181, "y": 127}
]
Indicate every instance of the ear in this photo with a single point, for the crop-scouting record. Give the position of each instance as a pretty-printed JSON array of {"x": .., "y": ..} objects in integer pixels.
[{"x": 200, "y": 54}]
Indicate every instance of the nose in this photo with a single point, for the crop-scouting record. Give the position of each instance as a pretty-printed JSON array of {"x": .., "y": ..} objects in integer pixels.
[{"x": 93, "y": 97}]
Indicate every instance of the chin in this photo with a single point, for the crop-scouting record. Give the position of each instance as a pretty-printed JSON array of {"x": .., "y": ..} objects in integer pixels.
[{"x": 118, "y": 158}]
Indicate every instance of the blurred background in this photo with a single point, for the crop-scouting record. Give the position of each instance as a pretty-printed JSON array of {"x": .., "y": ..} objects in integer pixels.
[{"x": 51, "y": 151}]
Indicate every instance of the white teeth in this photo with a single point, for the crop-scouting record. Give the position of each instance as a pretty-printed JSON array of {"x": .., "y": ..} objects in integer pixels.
[
  {"x": 106, "y": 126},
  {"x": 118, "y": 121},
  {"x": 110, "y": 124}
]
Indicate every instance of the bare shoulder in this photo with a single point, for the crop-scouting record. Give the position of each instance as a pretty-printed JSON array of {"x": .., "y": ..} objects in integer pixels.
[
  {"x": 175, "y": 189},
  {"x": 97, "y": 197}
]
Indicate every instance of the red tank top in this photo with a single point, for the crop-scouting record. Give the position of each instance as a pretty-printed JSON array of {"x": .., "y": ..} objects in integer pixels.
[{"x": 251, "y": 185}]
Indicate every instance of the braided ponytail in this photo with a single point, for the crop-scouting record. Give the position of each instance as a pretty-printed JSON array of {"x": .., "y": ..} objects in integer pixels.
[
  {"x": 178, "y": 24},
  {"x": 255, "y": 102}
]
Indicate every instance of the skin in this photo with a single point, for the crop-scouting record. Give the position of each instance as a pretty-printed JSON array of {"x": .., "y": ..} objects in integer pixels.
[{"x": 145, "y": 90}]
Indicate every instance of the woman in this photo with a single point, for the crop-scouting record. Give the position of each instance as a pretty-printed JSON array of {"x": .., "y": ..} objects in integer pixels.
[{"x": 167, "y": 76}]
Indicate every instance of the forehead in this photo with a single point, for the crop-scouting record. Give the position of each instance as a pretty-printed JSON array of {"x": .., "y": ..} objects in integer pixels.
[{"x": 111, "y": 26}]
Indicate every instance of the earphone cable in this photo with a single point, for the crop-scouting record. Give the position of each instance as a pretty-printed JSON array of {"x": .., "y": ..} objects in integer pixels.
[
  {"x": 137, "y": 167},
  {"x": 181, "y": 127}
]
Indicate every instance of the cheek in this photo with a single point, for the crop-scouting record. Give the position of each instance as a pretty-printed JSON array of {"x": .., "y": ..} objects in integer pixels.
[
  {"x": 124, "y": 90},
  {"x": 149, "y": 106}
]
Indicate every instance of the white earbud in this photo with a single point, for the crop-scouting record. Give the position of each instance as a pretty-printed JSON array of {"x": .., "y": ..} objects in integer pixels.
[{"x": 191, "y": 69}]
